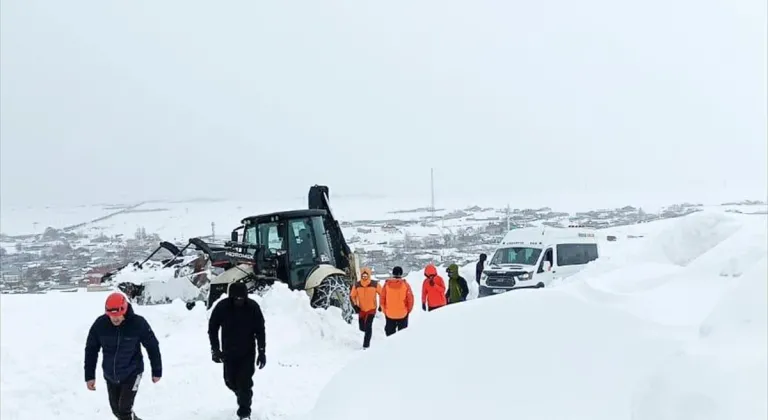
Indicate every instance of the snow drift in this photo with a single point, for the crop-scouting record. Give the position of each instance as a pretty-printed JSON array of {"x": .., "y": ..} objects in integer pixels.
[
  {"x": 722, "y": 373},
  {"x": 604, "y": 345},
  {"x": 696, "y": 256},
  {"x": 512, "y": 356},
  {"x": 694, "y": 235}
]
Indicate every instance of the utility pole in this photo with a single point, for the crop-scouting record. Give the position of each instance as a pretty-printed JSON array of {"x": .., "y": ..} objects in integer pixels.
[
  {"x": 213, "y": 231},
  {"x": 508, "y": 217},
  {"x": 432, "y": 190}
]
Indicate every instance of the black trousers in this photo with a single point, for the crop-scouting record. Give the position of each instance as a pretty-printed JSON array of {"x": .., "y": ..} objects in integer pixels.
[
  {"x": 394, "y": 325},
  {"x": 366, "y": 326},
  {"x": 122, "y": 396},
  {"x": 238, "y": 376}
]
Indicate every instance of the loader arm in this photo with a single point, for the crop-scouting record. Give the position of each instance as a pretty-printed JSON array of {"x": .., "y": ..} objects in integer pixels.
[{"x": 318, "y": 199}]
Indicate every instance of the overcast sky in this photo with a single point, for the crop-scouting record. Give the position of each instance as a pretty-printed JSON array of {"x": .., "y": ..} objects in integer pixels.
[{"x": 129, "y": 100}]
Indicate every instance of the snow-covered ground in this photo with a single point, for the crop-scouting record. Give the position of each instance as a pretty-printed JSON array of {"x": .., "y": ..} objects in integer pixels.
[
  {"x": 670, "y": 326},
  {"x": 177, "y": 221}
]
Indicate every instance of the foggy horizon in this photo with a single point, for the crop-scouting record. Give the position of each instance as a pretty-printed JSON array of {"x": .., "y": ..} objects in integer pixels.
[{"x": 127, "y": 102}]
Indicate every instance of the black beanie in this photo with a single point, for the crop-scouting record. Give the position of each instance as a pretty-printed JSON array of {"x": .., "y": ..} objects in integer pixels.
[
  {"x": 238, "y": 290},
  {"x": 397, "y": 271}
]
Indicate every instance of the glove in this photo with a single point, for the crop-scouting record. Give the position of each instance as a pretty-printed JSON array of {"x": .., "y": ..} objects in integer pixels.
[
  {"x": 356, "y": 308},
  {"x": 261, "y": 360},
  {"x": 423, "y": 306},
  {"x": 216, "y": 356}
]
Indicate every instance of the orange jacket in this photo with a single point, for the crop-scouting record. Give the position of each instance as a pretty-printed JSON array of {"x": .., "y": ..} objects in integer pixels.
[
  {"x": 365, "y": 292},
  {"x": 433, "y": 295},
  {"x": 396, "y": 298},
  {"x": 433, "y": 288}
]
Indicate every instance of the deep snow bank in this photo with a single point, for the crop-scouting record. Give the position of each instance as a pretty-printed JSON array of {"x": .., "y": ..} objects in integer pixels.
[
  {"x": 690, "y": 261},
  {"x": 722, "y": 374},
  {"x": 694, "y": 235},
  {"x": 530, "y": 355},
  {"x": 585, "y": 349}
]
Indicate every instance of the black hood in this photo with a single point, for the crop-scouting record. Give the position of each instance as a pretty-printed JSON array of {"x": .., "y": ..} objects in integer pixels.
[
  {"x": 129, "y": 312},
  {"x": 238, "y": 290}
]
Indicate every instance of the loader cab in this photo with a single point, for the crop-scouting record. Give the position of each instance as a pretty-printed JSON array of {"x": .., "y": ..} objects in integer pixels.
[{"x": 296, "y": 241}]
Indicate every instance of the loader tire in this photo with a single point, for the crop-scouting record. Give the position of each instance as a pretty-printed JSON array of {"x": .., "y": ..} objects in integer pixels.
[{"x": 334, "y": 291}]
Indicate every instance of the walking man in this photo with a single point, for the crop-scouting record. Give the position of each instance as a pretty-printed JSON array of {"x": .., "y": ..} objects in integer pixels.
[
  {"x": 119, "y": 334},
  {"x": 364, "y": 296},
  {"x": 242, "y": 328},
  {"x": 396, "y": 302}
]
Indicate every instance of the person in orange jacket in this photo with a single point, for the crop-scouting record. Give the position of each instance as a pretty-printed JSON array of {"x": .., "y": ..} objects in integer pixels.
[
  {"x": 396, "y": 302},
  {"x": 432, "y": 290},
  {"x": 364, "y": 298}
]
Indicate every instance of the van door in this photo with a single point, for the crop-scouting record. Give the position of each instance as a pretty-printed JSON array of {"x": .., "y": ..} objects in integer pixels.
[
  {"x": 560, "y": 269},
  {"x": 543, "y": 274}
]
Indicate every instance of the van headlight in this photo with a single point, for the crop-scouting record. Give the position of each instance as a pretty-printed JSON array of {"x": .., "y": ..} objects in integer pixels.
[
  {"x": 483, "y": 279},
  {"x": 526, "y": 275}
]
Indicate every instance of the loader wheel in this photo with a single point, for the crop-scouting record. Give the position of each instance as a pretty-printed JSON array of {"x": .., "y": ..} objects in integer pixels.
[{"x": 334, "y": 291}]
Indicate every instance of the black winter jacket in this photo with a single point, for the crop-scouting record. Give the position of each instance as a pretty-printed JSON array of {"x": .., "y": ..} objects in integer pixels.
[
  {"x": 241, "y": 328},
  {"x": 121, "y": 348}
]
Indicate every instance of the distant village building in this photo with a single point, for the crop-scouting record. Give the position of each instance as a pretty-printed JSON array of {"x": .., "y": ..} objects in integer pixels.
[
  {"x": 389, "y": 228},
  {"x": 94, "y": 275}
]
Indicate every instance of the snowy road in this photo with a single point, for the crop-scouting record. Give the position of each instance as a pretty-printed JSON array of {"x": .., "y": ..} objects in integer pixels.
[{"x": 43, "y": 338}]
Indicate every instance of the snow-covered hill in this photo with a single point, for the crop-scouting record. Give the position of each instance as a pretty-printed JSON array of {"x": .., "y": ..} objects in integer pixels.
[{"x": 669, "y": 326}]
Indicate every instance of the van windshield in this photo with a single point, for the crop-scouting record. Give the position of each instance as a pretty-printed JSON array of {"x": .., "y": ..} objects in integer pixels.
[{"x": 516, "y": 255}]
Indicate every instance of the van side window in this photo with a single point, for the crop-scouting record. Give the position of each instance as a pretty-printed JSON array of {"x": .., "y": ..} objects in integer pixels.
[
  {"x": 576, "y": 254},
  {"x": 547, "y": 257}
]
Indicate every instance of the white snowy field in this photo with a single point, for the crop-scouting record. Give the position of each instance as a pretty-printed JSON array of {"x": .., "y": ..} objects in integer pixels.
[
  {"x": 671, "y": 326},
  {"x": 177, "y": 221}
]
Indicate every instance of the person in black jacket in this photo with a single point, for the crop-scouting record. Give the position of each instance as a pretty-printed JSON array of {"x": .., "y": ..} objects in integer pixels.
[
  {"x": 120, "y": 333},
  {"x": 242, "y": 327},
  {"x": 480, "y": 267}
]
